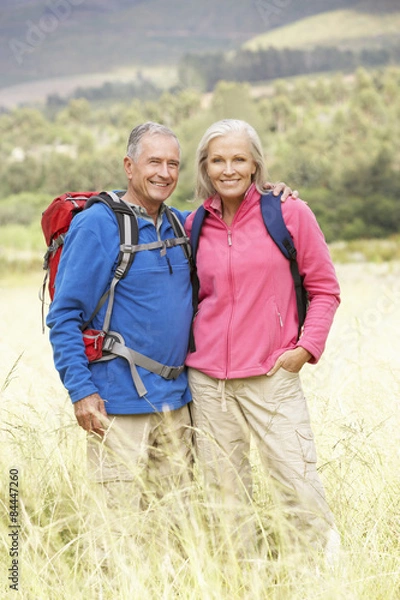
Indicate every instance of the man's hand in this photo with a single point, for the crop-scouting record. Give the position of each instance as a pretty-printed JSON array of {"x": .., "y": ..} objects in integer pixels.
[
  {"x": 91, "y": 414},
  {"x": 279, "y": 187},
  {"x": 291, "y": 360}
]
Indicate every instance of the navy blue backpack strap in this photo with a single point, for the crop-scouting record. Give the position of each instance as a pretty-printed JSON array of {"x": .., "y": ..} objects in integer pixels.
[
  {"x": 197, "y": 224},
  {"x": 271, "y": 210}
]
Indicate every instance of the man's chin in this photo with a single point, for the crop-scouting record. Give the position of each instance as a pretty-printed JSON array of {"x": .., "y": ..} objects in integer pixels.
[
  {"x": 162, "y": 194},
  {"x": 161, "y": 197}
]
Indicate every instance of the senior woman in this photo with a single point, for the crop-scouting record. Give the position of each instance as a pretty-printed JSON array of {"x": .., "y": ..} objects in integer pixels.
[{"x": 244, "y": 372}]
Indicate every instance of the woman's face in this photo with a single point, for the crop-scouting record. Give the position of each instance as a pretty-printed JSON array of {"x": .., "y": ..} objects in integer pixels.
[{"x": 230, "y": 165}]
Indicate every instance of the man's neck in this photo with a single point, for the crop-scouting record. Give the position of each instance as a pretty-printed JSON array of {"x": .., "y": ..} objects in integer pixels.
[{"x": 152, "y": 209}]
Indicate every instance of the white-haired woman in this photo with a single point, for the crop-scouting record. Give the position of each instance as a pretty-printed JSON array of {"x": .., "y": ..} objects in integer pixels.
[{"x": 244, "y": 372}]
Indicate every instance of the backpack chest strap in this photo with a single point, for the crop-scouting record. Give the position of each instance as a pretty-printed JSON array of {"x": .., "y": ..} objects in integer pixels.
[{"x": 160, "y": 244}]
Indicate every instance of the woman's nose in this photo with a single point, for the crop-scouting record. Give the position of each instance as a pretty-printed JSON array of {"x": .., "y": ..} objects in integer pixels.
[{"x": 228, "y": 167}]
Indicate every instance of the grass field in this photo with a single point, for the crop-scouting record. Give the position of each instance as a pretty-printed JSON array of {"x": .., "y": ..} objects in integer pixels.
[{"x": 354, "y": 402}]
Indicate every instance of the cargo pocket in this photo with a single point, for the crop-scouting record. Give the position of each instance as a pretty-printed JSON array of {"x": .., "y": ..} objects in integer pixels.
[{"x": 307, "y": 445}]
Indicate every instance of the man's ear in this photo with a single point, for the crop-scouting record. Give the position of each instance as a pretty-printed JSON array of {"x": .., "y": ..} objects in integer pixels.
[{"x": 128, "y": 166}]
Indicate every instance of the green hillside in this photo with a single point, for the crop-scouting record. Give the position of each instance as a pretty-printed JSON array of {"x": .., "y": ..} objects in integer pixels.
[{"x": 343, "y": 28}]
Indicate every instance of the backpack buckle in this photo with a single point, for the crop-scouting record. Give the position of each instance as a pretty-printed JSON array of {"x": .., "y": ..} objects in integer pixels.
[
  {"x": 171, "y": 372},
  {"x": 127, "y": 248}
]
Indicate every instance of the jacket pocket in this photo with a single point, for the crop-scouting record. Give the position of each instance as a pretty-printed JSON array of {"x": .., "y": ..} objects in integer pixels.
[{"x": 272, "y": 332}]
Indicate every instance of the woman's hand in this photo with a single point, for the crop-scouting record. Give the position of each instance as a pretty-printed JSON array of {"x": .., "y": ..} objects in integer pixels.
[
  {"x": 291, "y": 360},
  {"x": 279, "y": 187}
]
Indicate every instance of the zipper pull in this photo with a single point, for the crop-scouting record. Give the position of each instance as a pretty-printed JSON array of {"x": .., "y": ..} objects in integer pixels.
[
  {"x": 229, "y": 237},
  {"x": 169, "y": 265}
]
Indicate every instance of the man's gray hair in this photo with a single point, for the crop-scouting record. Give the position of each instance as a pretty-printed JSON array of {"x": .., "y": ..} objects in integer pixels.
[
  {"x": 136, "y": 135},
  {"x": 204, "y": 187}
]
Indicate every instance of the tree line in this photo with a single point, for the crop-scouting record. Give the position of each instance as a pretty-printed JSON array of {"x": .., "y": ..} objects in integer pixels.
[{"x": 205, "y": 70}]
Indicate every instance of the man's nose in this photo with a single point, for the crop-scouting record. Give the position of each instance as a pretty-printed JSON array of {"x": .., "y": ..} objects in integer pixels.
[{"x": 163, "y": 170}]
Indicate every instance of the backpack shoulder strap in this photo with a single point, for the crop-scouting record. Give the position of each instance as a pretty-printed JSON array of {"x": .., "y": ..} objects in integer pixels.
[
  {"x": 128, "y": 228},
  {"x": 271, "y": 209},
  {"x": 197, "y": 224},
  {"x": 129, "y": 236},
  {"x": 180, "y": 233}
]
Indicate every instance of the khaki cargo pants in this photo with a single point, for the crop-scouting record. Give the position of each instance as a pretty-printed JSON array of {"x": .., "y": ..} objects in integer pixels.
[
  {"x": 144, "y": 462},
  {"x": 142, "y": 457},
  {"x": 273, "y": 410}
]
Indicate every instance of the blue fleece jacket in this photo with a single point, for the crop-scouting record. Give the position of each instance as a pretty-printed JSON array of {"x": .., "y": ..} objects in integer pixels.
[{"x": 152, "y": 310}]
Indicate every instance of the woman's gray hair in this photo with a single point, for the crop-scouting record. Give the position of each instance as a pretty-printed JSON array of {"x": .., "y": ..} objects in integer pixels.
[
  {"x": 136, "y": 135},
  {"x": 204, "y": 187}
]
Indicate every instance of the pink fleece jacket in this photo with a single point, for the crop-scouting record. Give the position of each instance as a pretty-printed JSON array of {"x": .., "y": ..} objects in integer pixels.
[{"x": 247, "y": 313}]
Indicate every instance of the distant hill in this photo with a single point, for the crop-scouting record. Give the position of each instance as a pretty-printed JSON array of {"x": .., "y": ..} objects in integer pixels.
[
  {"x": 345, "y": 29},
  {"x": 365, "y": 35},
  {"x": 56, "y": 38}
]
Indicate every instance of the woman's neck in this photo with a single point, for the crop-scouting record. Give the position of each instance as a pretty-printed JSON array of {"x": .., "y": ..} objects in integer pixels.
[{"x": 229, "y": 209}]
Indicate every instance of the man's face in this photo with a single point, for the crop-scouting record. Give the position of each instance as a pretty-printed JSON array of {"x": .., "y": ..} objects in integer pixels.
[{"x": 154, "y": 174}]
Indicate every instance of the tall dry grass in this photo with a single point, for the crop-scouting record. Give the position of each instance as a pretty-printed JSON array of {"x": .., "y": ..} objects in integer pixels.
[{"x": 171, "y": 552}]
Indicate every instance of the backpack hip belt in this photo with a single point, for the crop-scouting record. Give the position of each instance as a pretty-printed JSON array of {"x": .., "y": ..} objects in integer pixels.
[{"x": 114, "y": 346}]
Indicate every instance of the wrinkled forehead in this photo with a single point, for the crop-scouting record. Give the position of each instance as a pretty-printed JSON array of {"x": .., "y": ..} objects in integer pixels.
[{"x": 159, "y": 145}]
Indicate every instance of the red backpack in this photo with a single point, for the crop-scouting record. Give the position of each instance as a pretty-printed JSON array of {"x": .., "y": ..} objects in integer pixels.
[
  {"x": 105, "y": 344},
  {"x": 56, "y": 220}
]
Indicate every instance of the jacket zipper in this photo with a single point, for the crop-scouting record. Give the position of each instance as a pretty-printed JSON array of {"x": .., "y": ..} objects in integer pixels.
[{"x": 229, "y": 235}]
